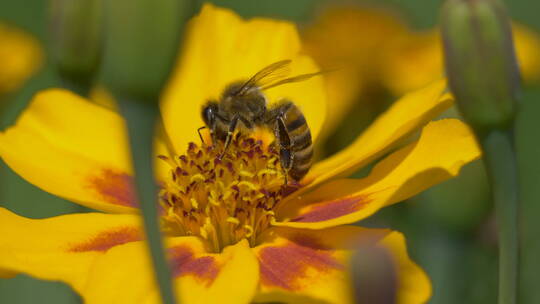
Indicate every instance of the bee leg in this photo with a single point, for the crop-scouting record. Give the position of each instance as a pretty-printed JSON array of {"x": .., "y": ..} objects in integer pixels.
[
  {"x": 232, "y": 127},
  {"x": 286, "y": 157},
  {"x": 200, "y": 135}
]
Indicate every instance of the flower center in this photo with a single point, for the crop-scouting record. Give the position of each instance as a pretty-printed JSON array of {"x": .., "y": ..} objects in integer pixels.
[{"x": 222, "y": 200}]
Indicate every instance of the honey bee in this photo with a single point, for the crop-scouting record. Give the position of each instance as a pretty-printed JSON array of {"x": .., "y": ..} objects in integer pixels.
[{"x": 243, "y": 107}]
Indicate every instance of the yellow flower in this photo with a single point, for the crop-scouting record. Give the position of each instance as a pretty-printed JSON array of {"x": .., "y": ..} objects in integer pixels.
[
  {"x": 349, "y": 38},
  {"x": 20, "y": 57},
  {"x": 389, "y": 53},
  {"x": 233, "y": 234},
  {"x": 421, "y": 52}
]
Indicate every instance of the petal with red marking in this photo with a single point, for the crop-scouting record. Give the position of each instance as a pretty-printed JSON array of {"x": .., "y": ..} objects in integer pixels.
[
  {"x": 72, "y": 148},
  {"x": 61, "y": 248},
  {"x": 306, "y": 266},
  {"x": 405, "y": 116},
  {"x": 443, "y": 148},
  {"x": 200, "y": 277}
]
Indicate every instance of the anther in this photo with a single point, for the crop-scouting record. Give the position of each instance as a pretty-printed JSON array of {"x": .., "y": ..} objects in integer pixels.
[
  {"x": 249, "y": 230},
  {"x": 233, "y": 220},
  {"x": 194, "y": 203},
  {"x": 247, "y": 184},
  {"x": 197, "y": 177},
  {"x": 213, "y": 201},
  {"x": 246, "y": 173}
]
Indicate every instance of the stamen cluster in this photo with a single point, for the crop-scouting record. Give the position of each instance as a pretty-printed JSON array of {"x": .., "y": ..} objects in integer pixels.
[{"x": 222, "y": 199}]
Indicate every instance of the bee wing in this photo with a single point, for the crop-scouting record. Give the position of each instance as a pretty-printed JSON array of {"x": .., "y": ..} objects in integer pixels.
[
  {"x": 270, "y": 73},
  {"x": 297, "y": 78}
]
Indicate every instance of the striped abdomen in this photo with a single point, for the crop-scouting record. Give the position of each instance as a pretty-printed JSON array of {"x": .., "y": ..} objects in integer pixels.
[{"x": 300, "y": 150}]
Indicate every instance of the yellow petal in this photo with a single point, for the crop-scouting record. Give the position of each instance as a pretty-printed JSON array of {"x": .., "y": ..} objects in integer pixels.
[
  {"x": 125, "y": 275},
  {"x": 236, "y": 278},
  {"x": 527, "y": 43},
  {"x": 72, "y": 148},
  {"x": 102, "y": 97},
  {"x": 162, "y": 167},
  {"x": 61, "y": 248},
  {"x": 306, "y": 266},
  {"x": 443, "y": 148},
  {"x": 414, "y": 285},
  {"x": 405, "y": 116},
  {"x": 20, "y": 57},
  {"x": 221, "y": 48}
]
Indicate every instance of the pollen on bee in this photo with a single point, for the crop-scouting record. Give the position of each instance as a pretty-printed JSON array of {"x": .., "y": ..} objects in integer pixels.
[{"x": 222, "y": 200}]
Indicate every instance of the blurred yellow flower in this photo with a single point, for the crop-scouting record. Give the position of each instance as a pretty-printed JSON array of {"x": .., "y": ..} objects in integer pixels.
[
  {"x": 349, "y": 39},
  {"x": 421, "y": 52},
  {"x": 332, "y": 42},
  {"x": 373, "y": 47},
  {"x": 417, "y": 56},
  {"x": 234, "y": 232},
  {"x": 20, "y": 57}
]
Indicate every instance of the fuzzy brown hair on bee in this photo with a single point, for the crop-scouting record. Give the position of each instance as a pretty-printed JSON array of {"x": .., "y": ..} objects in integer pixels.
[{"x": 243, "y": 107}]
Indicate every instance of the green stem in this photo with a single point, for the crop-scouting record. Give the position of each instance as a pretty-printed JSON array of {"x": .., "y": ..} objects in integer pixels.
[
  {"x": 78, "y": 86},
  {"x": 500, "y": 160},
  {"x": 141, "y": 121}
]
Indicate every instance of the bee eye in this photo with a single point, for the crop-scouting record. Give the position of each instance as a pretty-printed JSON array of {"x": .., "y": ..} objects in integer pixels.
[{"x": 209, "y": 114}]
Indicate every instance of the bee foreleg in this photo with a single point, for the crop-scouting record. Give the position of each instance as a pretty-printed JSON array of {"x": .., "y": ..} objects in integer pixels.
[
  {"x": 286, "y": 157},
  {"x": 230, "y": 132},
  {"x": 200, "y": 135}
]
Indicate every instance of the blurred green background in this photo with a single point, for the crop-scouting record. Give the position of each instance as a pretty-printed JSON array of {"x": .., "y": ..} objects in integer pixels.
[{"x": 450, "y": 228}]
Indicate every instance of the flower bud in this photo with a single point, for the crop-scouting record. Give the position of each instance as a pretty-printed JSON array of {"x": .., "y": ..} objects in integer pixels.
[
  {"x": 142, "y": 44},
  {"x": 76, "y": 34},
  {"x": 480, "y": 62}
]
